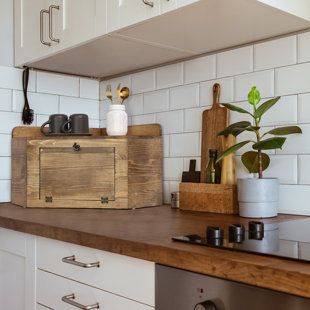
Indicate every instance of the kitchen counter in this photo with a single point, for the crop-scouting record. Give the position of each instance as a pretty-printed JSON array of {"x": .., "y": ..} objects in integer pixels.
[{"x": 146, "y": 234}]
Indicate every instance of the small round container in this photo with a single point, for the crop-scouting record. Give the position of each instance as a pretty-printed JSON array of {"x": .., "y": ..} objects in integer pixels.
[
  {"x": 175, "y": 200},
  {"x": 117, "y": 120}
]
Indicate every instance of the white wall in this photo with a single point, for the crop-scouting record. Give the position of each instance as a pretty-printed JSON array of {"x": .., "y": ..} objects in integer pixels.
[
  {"x": 176, "y": 95},
  {"x": 48, "y": 94}
]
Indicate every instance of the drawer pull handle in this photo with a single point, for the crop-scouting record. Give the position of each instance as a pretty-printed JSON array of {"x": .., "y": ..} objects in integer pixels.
[
  {"x": 149, "y": 3},
  {"x": 71, "y": 260},
  {"x": 56, "y": 7},
  {"x": 69, "y": 299},
  {"x": 42, "y": 12}
]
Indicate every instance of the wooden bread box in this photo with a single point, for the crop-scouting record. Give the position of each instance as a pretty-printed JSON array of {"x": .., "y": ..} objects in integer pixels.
[{"x": 86, "y": 172}]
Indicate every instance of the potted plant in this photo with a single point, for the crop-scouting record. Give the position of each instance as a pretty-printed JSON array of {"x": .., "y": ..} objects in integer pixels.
[{"x": 258, "y": 197}]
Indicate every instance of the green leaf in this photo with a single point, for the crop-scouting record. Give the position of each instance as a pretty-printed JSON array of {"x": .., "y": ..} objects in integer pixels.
[
  {"x": 254, "y": 96},
  {"x": 232, "y": 149},
  {"x": 264, "y": 107},
  {"x": 285, "y": 131},
  {"x": 235, "y": 108},
  {"x": 270, "y": 144},
  {"x": 229, "y": 130},
  {"x": 250, "y": 161}
]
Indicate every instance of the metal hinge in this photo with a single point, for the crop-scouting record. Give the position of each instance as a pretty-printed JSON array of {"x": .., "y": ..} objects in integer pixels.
[
  {"x": 48, "y": 199},
  {"x": 104, "y": 199}
]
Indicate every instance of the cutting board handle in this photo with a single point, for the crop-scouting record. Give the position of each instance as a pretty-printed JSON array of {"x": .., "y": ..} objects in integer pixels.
[{"x": 216, "y": 95}]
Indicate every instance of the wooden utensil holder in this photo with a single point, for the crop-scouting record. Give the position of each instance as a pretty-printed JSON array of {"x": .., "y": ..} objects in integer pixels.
[{"x": 205, "y": 197}]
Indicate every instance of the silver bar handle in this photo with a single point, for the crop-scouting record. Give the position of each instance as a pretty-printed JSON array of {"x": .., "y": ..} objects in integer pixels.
[
  {"x": 42, "y": 12},
  {"x": 147, "y": 2},
  {"x": 71, "y": 260},
  {"x": 56, "y": 7},
  {"x": 69, "y": 299}
]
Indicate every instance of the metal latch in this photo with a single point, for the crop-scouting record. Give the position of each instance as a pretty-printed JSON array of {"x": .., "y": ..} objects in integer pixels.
[
  {"x": 104, "y": 199},
  {"x": 48, "y": 199}
]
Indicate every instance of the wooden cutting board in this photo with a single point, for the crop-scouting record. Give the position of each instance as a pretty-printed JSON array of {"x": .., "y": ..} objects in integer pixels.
[{"x": 213, "y": 121}]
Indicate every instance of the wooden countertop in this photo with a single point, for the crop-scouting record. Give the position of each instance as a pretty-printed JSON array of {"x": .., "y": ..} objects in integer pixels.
[{"x": 146, "y": 234}]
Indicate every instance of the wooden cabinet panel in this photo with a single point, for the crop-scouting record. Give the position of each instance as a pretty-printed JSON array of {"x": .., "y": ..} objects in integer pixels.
[
  {"x": 87, "y": 174},
  {"x": 125, "y": 276}
]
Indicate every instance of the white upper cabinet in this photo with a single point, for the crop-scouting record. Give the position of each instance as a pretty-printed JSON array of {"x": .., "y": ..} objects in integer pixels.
[
  {"x": 101, "y": 38},
  {"x": 74, "y": 22},
  {"x": 44, "y": 27},
  {"x": 123, "y": 13},
  {"x": 31, "y": 30}
]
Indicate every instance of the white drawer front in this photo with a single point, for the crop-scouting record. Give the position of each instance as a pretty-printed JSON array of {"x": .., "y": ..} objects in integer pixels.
[
  {"x": 129, "y": 277},
  {"x": 40, "y": 307},
  {"x": 13, "y": 241},
  {"x": 52, "y": 288}
]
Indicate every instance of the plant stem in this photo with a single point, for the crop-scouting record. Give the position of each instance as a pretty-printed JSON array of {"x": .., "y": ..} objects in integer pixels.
[{"x": 260, "y": 159}]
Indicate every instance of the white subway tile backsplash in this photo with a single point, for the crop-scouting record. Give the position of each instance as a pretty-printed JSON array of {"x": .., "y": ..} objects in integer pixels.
[
  {"x": 89, "y": 89},
  {"x": 143, "y": 119},
  {"x": 5, "y": 171},
  {"x": 304, "y": 108},
  {"x": 226, "y": 95},
  {"x": 12, "y": 78},
  {"x": 263, "y": 80},
  {"x": 294, "y": 199},
  {"x": 283, "y": 167},
  {"x": 169, "y": 76},
  {"x": 275, "y": 53},
  {"x": 292, "y": 79},
  {"x": 193, "y": 119},
  {"x": 157, "y": 101},
  {"x": 297, "y": 143},
  {"x": 304, "y": 169},
  {"x": 304, "y": 47},
  {"x": 238, "y": 117},
  {"x": 171, "y": 122},
  {"x": 9, "y": 120},
  {"x": 58, "y": 84},
  {"x": 134, "y": 105},
  {"x": 5, "y": 190},
  {"x": 103, "y": 109},
  {"x": 166, "y": 187},
  {"x": 166, "y": 145},
  {"x": 185, "y": 144},
  {"x": 200, "y": 69},
  {"x": 284, "y": 112},
  {"x": 5, "y": 100},
  {"x": 183, "y": 97},
  {"x": 143, "y": 81},
  {"x": 71, "y": 105},
  {"x": 40, "y": 103},
  {"x": 94, "y": 123},
  {"x": 173, "y": 168},
  {"x": 5, "y": 142},
  {"x": 41, "y": 118},
  {"x": 174, "y": 186},
  {"x": 236, "y": 61}
]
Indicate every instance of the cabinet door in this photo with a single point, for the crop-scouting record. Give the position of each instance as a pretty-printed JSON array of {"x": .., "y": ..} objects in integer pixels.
[
  {"x": 129, "y": 12},
  {"x": 17, "y": 270},
  {"x": 31, "y": 29},
  {"x": 74, "y": 22}
]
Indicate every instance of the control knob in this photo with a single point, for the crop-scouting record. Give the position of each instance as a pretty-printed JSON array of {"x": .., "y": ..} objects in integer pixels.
[{"x": 206, "y": 305}]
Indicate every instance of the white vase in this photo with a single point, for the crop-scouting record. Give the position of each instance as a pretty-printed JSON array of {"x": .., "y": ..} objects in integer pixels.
[
  {"x": 258, "y": 198},
  {"x": 117, "y": 120}
]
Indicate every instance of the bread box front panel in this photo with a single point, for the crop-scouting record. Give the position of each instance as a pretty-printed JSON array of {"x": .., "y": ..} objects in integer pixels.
[{"x": 85, "y": 173}]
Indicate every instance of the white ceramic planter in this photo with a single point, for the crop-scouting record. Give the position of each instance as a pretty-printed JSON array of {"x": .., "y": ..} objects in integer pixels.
[
  {"x": 258, "y": 198},
  {"x": 117, "y": 120}
]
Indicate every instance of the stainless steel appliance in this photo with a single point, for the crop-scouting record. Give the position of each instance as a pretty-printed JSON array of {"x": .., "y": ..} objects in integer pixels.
[
  {"x": 290, "y": 239},
  {"x": 182, "y": 290}
]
